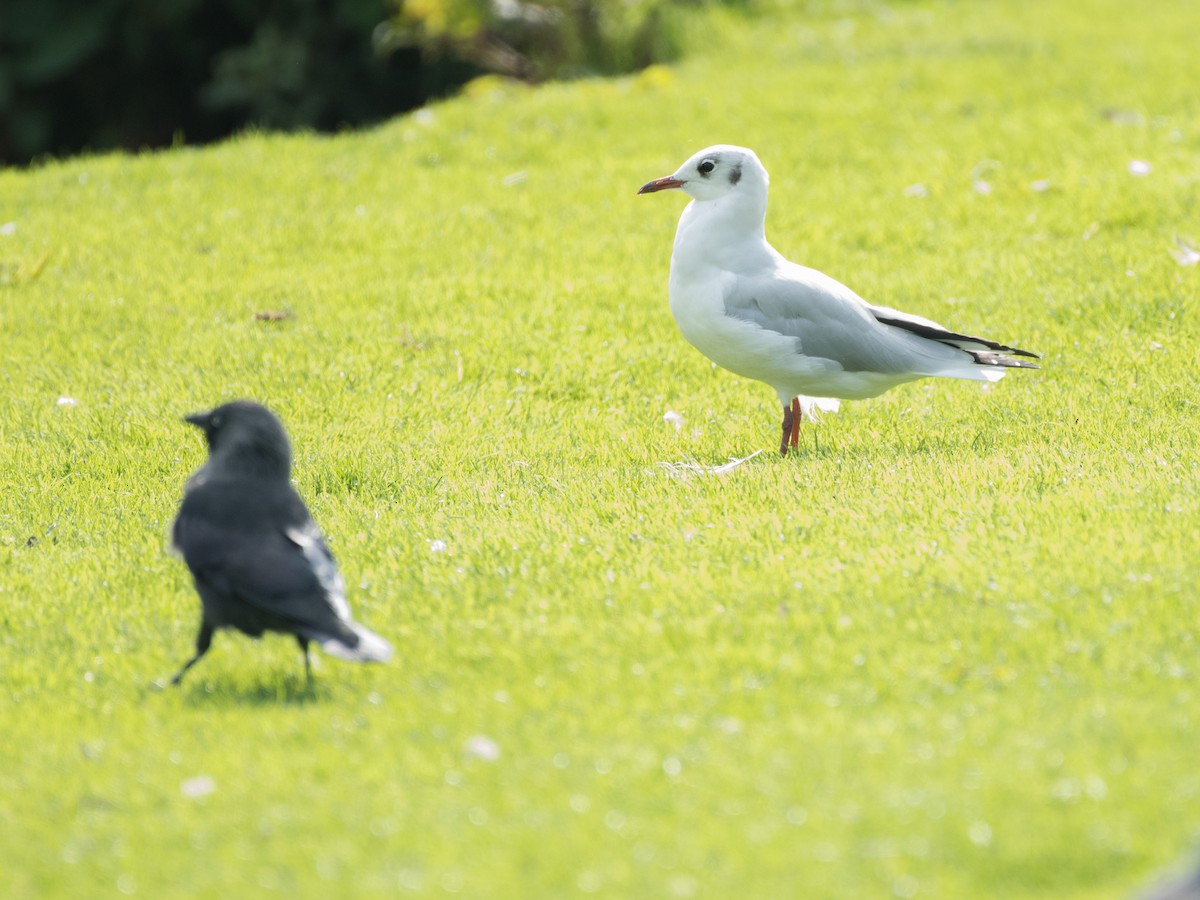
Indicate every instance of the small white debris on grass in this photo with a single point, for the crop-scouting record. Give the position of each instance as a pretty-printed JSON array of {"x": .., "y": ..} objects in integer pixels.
[
  {"x": 916, "y": 190},
  {"x": 1041, "y": 185},
  {"x": 482, "y": 747},
  {"x": 437, "y": 546},
  {"x": 978, "y": 182},
  {"x": 66, "y": 401},
  {"x": 200, "y": 786},
  {"x": 8, "y": 228},
  {"x": 1186, "y": 255},
  {"x": 684, "y": 469},
  {"x": 673, "y": 418},
  {"x": 980, "y": 834},
  {"x": 1139, "y": 167},
  {"x": 514, "y": 178}
]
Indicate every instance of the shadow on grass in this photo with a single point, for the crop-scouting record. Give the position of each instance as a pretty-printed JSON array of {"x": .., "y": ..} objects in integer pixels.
[
  {"x": 283, "y": 690},
  {"x": 816, "y": 447},
  {"x": 975, "y": 443}
]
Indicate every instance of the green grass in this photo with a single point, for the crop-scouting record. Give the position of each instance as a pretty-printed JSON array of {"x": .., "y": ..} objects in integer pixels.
[{"x": 949, "y": 649}]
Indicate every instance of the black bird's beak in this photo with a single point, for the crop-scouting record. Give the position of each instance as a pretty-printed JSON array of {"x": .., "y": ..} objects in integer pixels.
[
  {"x": 200, "y": 420},
  {"x": 660, "y": 184}
]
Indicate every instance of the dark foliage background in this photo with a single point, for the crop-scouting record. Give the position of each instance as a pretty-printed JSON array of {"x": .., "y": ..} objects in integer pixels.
[{"x": 98, "y": 74}]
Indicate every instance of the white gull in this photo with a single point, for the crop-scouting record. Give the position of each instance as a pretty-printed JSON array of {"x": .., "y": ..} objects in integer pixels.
[{"x": 812, "y": 339}]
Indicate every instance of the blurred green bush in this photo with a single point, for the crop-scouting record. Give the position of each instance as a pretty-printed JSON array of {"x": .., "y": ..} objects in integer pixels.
[
  {"x": 98, "y": 74},
  {"x": 543, "y": 39}
]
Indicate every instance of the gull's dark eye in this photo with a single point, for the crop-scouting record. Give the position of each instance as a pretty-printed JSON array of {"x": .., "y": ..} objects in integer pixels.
[{"x": 706, "y": 167}]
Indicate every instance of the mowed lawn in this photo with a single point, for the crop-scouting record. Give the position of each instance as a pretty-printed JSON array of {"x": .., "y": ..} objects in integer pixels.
[{"x": 948, "y": 649}]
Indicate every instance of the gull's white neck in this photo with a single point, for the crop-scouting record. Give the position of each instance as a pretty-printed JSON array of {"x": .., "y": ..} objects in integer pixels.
[{"x": 727, "y": 233}]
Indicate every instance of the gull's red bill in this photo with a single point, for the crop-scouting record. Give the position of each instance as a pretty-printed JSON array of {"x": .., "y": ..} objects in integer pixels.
[{"x": 660, "y": 184}]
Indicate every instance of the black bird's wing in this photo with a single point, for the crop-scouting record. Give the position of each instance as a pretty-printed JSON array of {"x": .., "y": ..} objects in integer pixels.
[{"x": 260, "y": 560}]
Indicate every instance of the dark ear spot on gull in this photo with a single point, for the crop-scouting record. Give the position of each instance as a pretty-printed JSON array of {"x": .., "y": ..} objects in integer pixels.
[{"x": 735, "y": 175}]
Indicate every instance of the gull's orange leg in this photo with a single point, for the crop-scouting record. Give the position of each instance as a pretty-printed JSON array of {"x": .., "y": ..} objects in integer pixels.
[
  {"x": 797, "y": 418},
  {"x": 788, "y": 418}
]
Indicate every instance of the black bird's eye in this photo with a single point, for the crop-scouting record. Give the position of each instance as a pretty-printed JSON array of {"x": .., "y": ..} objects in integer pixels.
[
  {"x": 215, "y": 421},
  {"x": 706, "y": 167}
]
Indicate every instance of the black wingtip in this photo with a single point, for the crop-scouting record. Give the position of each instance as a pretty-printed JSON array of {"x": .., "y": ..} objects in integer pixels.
[
  {"x": 945, "y": 336},
  {"x": 1017, "y": 351},
  {"x": 995, "y": 358}
]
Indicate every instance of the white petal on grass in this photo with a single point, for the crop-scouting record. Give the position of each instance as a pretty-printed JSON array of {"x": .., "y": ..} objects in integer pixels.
[
  {"x": 1122, "y": 116},
  {"x": 200, "y": 786},
  {"x": 66, "y": 401},
  {"x": 482, "y": 747},
  {"x": 980, "y": 833},
  {"x": 1139, "y": 167},
  {"x": 978, "y": 182},
  {"x": 673, "y": 418},
  {"x": 1186, "y": 255},
  {"x": 684, "y": 469}
]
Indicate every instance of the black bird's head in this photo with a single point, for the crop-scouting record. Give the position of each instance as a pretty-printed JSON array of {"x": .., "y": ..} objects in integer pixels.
[{"x": 245, "y": 435}]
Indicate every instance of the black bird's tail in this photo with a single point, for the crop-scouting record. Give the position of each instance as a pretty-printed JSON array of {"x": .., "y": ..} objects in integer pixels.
[{"x": 359, "y": 644}]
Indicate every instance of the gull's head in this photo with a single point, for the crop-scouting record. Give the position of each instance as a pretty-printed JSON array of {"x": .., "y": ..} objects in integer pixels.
[{"x": 716, "y": 172}]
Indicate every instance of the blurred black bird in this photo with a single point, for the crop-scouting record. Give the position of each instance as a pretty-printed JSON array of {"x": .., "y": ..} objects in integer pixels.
[
  {"x": 1183, "y": 885},
  {"x": 258, "y": 559}
]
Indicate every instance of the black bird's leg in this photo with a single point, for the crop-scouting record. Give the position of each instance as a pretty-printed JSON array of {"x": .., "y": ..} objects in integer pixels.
[
  {"x": 303, "y": 642},
  {"x": 203, "y": 642},
  {"x": 789, "y": 421}
]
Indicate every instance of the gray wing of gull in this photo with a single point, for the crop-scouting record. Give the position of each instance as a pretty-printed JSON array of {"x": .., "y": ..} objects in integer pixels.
[{"x": 830, "y": 322}]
